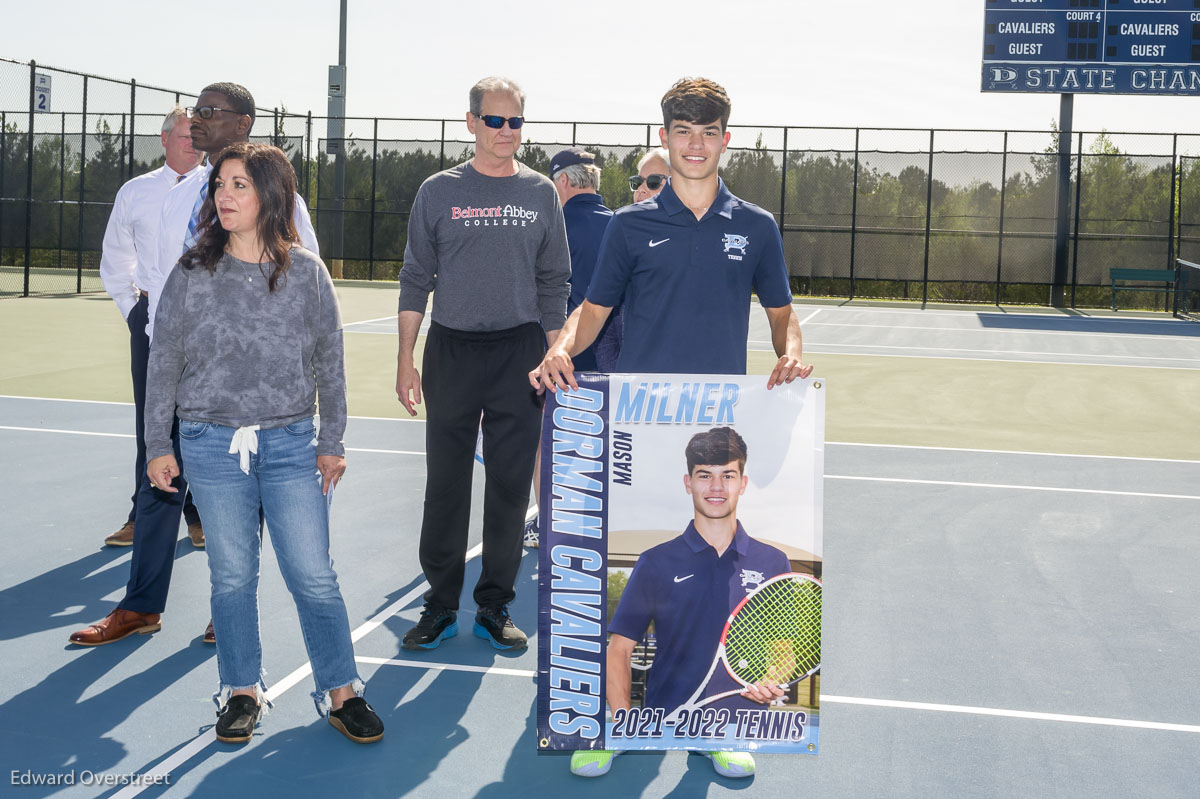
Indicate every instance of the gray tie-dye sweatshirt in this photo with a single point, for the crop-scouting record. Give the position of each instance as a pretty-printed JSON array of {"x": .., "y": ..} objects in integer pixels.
[{"x": 227, "y": 351}]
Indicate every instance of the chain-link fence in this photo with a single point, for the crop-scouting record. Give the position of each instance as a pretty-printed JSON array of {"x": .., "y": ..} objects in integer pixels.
[{"x": 938, "y": 215}]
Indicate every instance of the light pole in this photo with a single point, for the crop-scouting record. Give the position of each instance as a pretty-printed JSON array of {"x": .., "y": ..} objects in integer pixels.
[{"x": 335, "y": 145}]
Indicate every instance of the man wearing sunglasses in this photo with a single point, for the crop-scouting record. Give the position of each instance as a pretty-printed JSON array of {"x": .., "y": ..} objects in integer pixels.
[
  {"x": 486, "y": 238},
  {"x": 223, "y": 115},
  {"x": 654, "y": 169},
  {"x": 685, "y": 261}
]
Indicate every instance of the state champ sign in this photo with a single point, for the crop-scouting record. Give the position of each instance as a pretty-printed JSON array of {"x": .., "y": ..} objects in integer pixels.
[{"x": 613, "y": 487}]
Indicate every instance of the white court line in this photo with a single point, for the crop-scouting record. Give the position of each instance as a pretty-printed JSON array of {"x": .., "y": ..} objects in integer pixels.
[
  {"x": 817, "y": 349},
  {"x": 808, "y": 318},
  {"x": 422, "y": 664},
  {"x": 198, "y": 743},
  {"x": 827, "y": 443},
  {"x": 1005, "y": 452},
  {"x": 1011, "y": 487},
  {"x": 849, "y": 700},
  {"x": 1108, "y": 355},
  {"x": 369, "y": 321},
  {"x": 63, "y": 399},
  {"x": 1021, "y": 331},
  {"x": 977, "y": 311},
  {"x": 852, "y": 700},
  {"x": 66, "y": 432},
  {"x": 130, "y": 435},
  {"x": 1016, "y": 714},
  {"x": 827, "y": 476}
]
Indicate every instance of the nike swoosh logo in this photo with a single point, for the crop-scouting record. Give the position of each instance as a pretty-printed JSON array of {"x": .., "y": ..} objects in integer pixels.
[
  {"x": 681, "y": 579},
  {"x": 654, "y": 243}
]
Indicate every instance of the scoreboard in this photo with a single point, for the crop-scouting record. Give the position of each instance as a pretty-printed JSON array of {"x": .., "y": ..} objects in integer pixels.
[{"x": 1092, "y": 46}]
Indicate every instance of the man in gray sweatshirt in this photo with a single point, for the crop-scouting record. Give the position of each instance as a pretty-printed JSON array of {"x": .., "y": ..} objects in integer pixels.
[{"x": 487, "y": 239}]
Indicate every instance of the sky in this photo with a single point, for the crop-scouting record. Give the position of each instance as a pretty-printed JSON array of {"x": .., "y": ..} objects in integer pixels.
[{"x": 865, "y": 63}]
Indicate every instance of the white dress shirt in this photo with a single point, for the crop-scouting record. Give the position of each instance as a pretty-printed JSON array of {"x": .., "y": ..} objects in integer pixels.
[
  {"x": 173, "y": 225},
  {"x": 131, "y": 236}
]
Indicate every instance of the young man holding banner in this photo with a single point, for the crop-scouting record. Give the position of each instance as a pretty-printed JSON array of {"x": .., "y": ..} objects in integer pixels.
[
  {"x": 688, "y": 259},
  {"x": 686, "y": 263}
]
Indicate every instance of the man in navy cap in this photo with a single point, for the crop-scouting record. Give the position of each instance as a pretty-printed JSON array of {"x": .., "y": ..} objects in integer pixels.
[{"x": 577, "y": 180}]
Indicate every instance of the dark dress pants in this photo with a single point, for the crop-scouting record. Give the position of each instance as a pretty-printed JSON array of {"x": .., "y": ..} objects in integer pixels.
[
  {"x": 466, "y": 374},
  {"x": 139, "y": 359},
  {"x": 154, "y": 537}
]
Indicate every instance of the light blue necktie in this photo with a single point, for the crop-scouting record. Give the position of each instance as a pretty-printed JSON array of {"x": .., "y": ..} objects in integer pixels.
[{"x": 189, "y": 240}]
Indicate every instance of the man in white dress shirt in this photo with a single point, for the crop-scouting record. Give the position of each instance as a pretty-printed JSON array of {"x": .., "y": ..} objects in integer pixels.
[
  {"x": 223, "y": 115},
  {"x": 129, "y": 247}
]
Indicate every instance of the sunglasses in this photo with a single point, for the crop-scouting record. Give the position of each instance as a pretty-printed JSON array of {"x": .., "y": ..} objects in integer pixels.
[
  {"x": 205, "y": 111},
  {"x": 496, "y": 121},
  {"x": 653, "y": 182}
]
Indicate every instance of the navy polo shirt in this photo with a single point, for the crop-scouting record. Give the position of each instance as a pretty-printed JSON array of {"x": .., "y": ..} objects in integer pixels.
[
  {"x": 586, "y": 219},
  {"x": 687, "y": 282},
  {"x": 688, "y": 592}
]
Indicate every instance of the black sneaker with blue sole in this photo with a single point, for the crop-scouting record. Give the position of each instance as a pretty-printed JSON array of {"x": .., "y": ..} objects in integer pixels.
[
  {"x": 493, "y": 625},
  {"x": 435, "y": 625}
]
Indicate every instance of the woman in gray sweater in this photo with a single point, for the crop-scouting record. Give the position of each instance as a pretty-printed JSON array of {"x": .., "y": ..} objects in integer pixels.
[{"x": 247, "y": 336}]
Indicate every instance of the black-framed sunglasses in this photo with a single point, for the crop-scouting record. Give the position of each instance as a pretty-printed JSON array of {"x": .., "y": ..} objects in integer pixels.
[
  {"x": 205, "y": 111},
  {"x": 653, "y": 182},
  {"x": 496, "y": 121}
]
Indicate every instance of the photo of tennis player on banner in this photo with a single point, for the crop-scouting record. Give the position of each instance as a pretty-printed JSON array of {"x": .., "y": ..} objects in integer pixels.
[{"x": 697, "y": 501}]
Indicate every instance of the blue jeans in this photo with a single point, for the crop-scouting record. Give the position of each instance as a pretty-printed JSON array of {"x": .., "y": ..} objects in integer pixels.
[{"x": 283, "y": 478}]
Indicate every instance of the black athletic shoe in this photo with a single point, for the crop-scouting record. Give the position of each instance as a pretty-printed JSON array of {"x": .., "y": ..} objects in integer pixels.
[
  {"x": 493, "y": 624},
  {"x": 235, "y": 721},
  {"x": 436, "y": 625},
  {"x": 357, "y": 721}
]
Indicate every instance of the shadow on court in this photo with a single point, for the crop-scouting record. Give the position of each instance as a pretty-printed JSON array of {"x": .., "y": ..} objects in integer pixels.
[
  {"x": 421, "y": 733},
  {"x": 1089, "y": 324},
  {"x": 69, "y": 594},
  {"x": 51, "y": 728}
]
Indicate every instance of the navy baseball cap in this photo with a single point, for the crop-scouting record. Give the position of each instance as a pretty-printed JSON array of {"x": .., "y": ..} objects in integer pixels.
[{"x": 570, "y": 157}]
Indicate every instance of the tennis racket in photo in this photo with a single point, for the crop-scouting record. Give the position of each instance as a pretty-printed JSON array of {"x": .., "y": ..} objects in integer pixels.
[{"x": 774, "y": 634}]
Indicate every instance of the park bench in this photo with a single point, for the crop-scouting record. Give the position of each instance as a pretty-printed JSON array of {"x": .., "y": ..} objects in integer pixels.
[{"x": 1141, "y": 276}]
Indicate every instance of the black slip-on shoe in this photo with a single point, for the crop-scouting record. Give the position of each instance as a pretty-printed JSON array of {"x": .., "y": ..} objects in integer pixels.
[
  {"x": 235, "y": 721},
  {"x": 357, "y": 721}
]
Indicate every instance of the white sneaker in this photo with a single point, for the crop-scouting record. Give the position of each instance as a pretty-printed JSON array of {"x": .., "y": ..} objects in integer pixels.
[
  {"x": 591, "y": 762},
  {"x": 532, "y": 528},
  {"x": 731, "y": 764}
]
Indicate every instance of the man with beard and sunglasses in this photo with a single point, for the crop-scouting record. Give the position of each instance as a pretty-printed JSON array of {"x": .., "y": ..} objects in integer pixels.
[
  {"x": 487, "y": 239},
  {"x": 223, "y": 115}
]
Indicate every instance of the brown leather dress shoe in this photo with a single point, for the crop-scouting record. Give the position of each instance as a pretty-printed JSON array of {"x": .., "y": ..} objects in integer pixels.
[
  {"x": 122, "y": 537},
  {"x": 210, "y": 637},
  {"x": 196, "y": 533},
  {"x": 115, "y": 626}
]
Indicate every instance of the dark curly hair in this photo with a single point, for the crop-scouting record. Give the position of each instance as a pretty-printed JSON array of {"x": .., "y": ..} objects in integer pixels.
[
  {"x": 274, "y": 181},
  {"x": 699, "y": 101},
  {"x": 716, "y": 447}
]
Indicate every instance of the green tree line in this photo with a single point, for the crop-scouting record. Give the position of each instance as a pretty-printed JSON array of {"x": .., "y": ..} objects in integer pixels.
[{"x": 1125, "y": 211}]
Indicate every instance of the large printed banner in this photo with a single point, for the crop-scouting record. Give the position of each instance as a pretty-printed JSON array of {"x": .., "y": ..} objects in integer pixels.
[{"x": 679, "y": 600}]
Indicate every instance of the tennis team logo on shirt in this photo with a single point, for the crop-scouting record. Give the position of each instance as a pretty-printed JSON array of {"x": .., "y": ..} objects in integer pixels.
[
  {"x": 733, "y": 241},
  {"x": 751, "y": 579}
]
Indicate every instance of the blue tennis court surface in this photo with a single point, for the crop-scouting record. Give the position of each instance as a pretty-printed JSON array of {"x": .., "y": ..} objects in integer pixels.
[{"x": 997, "y": 622}]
